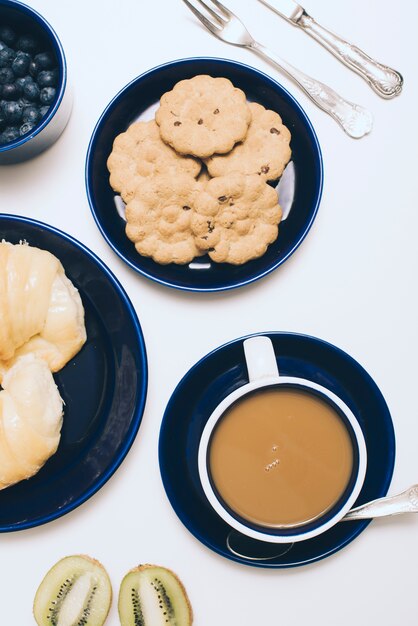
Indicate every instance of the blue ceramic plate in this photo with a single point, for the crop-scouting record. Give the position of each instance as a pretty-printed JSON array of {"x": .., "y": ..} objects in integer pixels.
[
  {"x": 103, "y": 387},
  {"x": 217, "y": 375},
  {"x": 139, "y": 100}
]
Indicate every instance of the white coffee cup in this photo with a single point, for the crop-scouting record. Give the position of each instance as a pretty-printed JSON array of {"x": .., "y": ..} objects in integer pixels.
[{"x": 263, "y": 372}]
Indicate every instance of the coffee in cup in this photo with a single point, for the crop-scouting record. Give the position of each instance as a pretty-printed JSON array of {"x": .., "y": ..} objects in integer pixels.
[{"x": 281, "y": 459}]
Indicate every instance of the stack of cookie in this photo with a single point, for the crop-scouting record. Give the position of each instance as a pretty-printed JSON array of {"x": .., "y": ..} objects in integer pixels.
[{"x": 195, "y": 179}]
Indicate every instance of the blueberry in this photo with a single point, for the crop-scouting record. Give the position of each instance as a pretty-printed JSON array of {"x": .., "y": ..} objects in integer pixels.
[
  {"x": 31, "y": 114},
  {"x": 24, "y": 102},
  {"x": 6, "y": 75},
  {"x": 6, "y": 57},
  {"x": 47, "y": 95},
  {"x": 7, "y": 35},
  {"x": 26, "y": 128},
  {"x": 9, "y": 134},
  {"x": 12, "y": 112},
  {"x": 17, "y": 90},
  {"x": 10, "y": 91},
  {"x": 34, "y": 69},
  {"x": 43, "y": 111},
  {"x": 31, "y": 91},
  {"x": 45, "y": 61},
  {"x": 20, "y": 63},
  {"x": 47, "y": 78},
  {"x": 27, "y": 43},
  {"x": 23, "y": 80},
  {"x": 20, "y": 82}
]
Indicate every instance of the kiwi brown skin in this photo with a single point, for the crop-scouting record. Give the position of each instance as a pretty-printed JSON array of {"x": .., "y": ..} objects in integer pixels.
[
  {"x": 145, "y": 566},
  {"x": 94, "y": 562}
]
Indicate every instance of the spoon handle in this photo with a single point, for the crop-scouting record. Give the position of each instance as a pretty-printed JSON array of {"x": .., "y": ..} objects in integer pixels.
[{"x": 405, "y": 502}]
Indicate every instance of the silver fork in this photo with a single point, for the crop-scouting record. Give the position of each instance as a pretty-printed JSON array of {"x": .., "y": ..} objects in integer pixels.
[{"x": 354, "y": 119}]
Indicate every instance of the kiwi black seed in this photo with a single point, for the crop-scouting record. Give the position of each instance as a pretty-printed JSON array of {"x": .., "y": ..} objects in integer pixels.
[
  {"x": 137, "y": 608},
  {"x": 167, "y": 603},
  {"x": 77, "y": 590}
]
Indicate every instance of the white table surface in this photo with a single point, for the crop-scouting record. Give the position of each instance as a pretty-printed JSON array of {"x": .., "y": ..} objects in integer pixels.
[{"x": 352, "y": 282}]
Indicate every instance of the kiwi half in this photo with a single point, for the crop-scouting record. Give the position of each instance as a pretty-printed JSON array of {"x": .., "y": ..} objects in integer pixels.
[
  {"x": 153, "y": 596},
  {"x": 75, "y": 592}
]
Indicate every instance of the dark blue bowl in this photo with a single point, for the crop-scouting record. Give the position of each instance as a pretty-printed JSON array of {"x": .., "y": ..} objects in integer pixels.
[
  {"x": 103, "y": 387},
  {"x": 24, "y": 18},
  {"x": 216, "y": 376},
  {"x": 144, "y": 92}
]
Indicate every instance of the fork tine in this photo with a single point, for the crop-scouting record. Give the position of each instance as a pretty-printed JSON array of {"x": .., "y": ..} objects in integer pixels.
[
  {"x": 214, "y": 28},
  {"x": 219, "y": 18},
  {"x": 227, "y": 14}
]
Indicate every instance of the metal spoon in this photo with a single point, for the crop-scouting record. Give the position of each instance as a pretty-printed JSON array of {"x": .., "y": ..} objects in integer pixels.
[{"x": 405, "y": 502}]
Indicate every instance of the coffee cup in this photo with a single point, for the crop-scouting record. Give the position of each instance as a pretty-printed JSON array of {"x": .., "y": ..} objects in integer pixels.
[{"x": 281, "y": 459}]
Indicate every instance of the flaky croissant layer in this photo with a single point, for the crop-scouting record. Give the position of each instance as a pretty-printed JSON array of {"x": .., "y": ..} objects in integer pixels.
[
  {"x": 41, "y": 311},
  {"x": 31, "y": 412}
]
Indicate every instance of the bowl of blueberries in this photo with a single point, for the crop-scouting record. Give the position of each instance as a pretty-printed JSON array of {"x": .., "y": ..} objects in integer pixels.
[{"x": 35, "y": 102}]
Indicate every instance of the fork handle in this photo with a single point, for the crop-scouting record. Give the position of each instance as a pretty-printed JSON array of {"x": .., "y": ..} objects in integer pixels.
[
  {"x": 384, "y": 80},
  {"x": 354, "y": 119}
]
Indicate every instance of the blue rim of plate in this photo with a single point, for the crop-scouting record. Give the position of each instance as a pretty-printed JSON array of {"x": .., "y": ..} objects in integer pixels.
[
  {"x": 142, "y": 393},
  {"x": 274, "y": 85},
  {"x": 194, "y": 399},
  {"x": 62, "y": 63}
]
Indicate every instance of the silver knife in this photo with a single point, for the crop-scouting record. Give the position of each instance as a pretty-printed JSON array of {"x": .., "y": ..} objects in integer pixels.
[{"x": 384, "y": 80}]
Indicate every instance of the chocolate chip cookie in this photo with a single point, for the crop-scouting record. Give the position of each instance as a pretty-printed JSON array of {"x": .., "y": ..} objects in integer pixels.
[{"x": 202, "y": 116}]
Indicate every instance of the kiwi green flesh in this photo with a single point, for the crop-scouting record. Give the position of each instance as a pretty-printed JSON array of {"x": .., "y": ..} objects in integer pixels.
[
  {"x": 153, "y": 596},
  {"x": 75, "y": 592}
]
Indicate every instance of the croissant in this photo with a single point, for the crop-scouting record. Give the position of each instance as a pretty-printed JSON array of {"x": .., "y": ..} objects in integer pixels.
[
  {"x": 41, "y": 312},
  {"x": 31, "y": 412}
]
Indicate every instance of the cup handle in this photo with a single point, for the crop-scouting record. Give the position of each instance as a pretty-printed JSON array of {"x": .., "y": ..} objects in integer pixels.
[{"x": 260, "y": 358}]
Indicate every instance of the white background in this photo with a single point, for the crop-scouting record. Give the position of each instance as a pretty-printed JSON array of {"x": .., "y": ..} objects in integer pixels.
[{"x": 352, "y": 282}]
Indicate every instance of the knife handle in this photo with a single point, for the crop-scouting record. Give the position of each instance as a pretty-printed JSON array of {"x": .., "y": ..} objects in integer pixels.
[{"x": 385, "y": 81}]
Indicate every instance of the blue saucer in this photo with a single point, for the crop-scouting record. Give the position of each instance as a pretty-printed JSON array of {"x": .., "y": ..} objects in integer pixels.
[
  {"x": 103, "y": 387},
  {"x": 304, "y": 194},
  {"x": 216, "y": 376}
]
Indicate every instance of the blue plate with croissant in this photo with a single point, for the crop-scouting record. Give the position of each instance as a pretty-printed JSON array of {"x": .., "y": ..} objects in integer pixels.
[{"x": 73, "y": 373}]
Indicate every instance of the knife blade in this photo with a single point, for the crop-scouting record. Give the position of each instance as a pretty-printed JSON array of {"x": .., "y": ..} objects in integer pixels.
[
  {"x": 290, "y": 10},
  {"x": 385, "y": 81}
]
